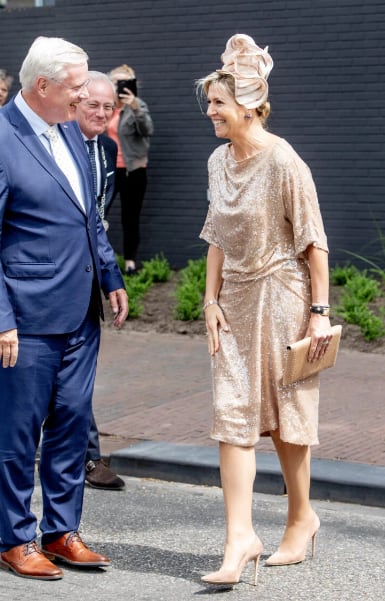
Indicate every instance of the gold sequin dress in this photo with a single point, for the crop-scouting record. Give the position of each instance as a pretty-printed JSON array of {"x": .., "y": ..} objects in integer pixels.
[{"x": 263, "y": 214}]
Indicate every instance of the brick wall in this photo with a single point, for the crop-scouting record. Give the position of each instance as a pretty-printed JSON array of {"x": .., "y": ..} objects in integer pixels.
[{"x": 327, "y": 94}]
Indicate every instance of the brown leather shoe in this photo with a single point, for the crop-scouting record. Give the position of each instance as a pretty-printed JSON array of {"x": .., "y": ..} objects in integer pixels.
[
  {"x": 29, "y": 562},
  {"x": 99, "y": 475},
  {"x": 71, "y": 549}
]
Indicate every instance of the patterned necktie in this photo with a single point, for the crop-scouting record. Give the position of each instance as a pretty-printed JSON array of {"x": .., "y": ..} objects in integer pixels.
[
  {"x": 61, "y": 156},
  {"x": 91, "y": 152}
]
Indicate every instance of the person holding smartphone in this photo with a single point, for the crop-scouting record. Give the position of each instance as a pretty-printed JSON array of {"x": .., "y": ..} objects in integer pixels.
[{"x": 131, "y": 127}]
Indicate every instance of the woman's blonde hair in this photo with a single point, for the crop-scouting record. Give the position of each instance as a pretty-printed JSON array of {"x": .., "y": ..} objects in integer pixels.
[
  {"x": 129, "y": 71},
  {"x": 227, "y": 81}
]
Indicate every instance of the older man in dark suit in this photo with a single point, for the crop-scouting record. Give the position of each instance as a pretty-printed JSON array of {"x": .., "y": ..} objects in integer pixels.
[
  {"x": 54, "y": 259},
  {"x": 93, "y": 115}
]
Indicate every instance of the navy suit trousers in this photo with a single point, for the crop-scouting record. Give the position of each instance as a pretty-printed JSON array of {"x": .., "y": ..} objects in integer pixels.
[
  {"x": 47, "y": 394},
  {"x": 93, "y": 450}
]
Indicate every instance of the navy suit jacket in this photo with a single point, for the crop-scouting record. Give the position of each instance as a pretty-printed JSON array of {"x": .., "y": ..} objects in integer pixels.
[
  {"x": 51, "y": 251},
  {"x": 107, "y": 167}
]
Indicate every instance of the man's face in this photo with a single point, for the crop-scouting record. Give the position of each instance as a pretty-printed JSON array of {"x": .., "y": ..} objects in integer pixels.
[
  {"x": 62, "y": 95},
  {"x": 95, "y": 112}
]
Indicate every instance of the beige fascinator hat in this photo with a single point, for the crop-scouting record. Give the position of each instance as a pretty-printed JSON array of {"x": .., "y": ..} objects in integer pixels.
[{"x": 250, "y": 67}]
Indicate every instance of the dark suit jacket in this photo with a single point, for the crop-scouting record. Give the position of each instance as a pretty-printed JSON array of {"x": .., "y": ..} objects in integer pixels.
[
  {"x": 51, "y": 251},
  {"x": 108, "y": 150}
]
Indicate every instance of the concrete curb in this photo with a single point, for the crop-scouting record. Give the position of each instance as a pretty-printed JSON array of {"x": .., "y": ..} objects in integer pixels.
[{"x": 331, "y": 480}]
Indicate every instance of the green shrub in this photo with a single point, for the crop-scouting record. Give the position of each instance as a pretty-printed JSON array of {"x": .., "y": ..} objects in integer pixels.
[
  {"x": 189, "y": 291},
  {"x": 340, "y": 275},
  {"x": 189, "y": 302},
  {"x": 136, "y": 288},
  {"x": 371, "y": 325},
  {"x": 359, "y": 290},
  {"x": 154, "y": 270},
  {"x": 374, "y": 267},
  {"x": 364, "y": 288},
  {"x": 157, "y": 269},
  {"x": 196, "y": 272}
]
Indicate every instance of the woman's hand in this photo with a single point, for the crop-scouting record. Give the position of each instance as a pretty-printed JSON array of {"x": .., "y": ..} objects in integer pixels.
[
  {"x": 129, "y": 99},
  {"x": 214, "y": 320},
  {"x": 320, "y": 332}
]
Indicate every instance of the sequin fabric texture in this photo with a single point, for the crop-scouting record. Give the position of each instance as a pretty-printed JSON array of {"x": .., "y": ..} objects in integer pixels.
[{"x": 263, "y": 214}]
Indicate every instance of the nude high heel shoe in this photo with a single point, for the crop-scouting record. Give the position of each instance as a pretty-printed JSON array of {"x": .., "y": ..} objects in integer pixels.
[
  {"x": 283, "y": 559},
  {"x": 228, "y": 577}
]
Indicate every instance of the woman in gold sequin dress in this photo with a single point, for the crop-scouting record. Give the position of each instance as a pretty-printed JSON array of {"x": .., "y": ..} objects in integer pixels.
[{"x": 267, "y": 265}]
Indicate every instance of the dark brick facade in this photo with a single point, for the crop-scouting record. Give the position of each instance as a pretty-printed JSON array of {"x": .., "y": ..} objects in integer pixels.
[{"x": 327, "y": 94}]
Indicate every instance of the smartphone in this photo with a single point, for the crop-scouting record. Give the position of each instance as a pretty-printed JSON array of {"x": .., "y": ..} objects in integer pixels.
[{"x": 130, "y": 84}]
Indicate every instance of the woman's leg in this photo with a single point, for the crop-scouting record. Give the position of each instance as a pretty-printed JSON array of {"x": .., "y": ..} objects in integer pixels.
[
  {"x": 132, "y": 196},
  {"x": 302, "y": 523},
  {"x": 123, "y": 189},
  {"x": 237, "y": 466}
]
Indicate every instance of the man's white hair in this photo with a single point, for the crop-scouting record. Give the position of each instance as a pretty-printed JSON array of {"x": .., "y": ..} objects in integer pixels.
[
  {"x": 99, "y": 76},
  {"x": 49, "y": 57}
]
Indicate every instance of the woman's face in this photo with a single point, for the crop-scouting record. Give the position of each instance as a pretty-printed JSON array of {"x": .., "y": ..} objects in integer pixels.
[
  {"x": 227, "y": 116},
  {"x": 3, "y": 92}
]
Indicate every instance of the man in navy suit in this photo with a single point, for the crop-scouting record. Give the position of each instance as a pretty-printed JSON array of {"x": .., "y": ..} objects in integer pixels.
[
  {"x": 54, "y": 259},
  {"x": 93, "y": 115}
]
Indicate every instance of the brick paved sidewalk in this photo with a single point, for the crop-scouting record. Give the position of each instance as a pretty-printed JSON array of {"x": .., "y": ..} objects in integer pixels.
[{"x": 157, "y": 387}]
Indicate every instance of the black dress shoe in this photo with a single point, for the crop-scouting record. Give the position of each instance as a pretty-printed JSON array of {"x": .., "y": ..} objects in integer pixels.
[{"x": 98, "y": 475}]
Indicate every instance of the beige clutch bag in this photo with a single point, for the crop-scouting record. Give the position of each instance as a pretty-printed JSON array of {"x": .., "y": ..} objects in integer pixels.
[{"x": 299, "y": 368}]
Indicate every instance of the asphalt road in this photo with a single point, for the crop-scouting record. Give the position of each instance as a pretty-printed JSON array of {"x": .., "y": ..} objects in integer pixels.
[{"x": 162, "y": 536}]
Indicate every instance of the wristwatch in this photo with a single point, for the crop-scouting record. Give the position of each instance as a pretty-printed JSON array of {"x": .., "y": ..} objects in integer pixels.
[{"x": 323, "y": 310}]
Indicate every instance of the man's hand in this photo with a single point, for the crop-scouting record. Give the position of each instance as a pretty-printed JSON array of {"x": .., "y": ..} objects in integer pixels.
[
  {"x": 9, "y": 348},
  {"x": 119, "y": 306}
]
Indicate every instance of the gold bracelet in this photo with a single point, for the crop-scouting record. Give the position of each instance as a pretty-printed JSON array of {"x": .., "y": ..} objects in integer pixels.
[{"x": 212, "y": 301}]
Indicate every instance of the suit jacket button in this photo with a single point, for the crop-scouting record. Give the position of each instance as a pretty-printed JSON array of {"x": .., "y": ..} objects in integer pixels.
[{"x": 88, "y": 268}]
